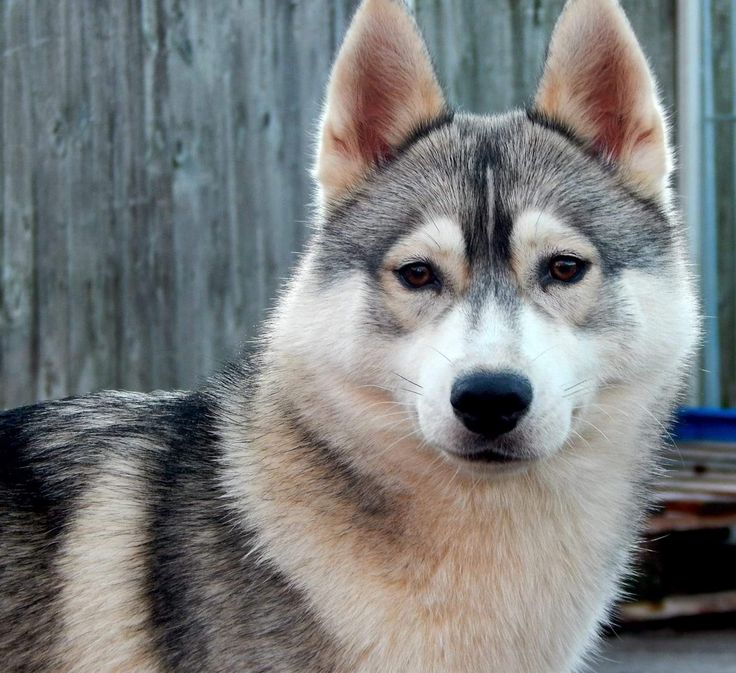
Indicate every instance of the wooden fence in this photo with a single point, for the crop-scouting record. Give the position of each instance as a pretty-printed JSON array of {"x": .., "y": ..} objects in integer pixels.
[{"x": 153, "y": 168}]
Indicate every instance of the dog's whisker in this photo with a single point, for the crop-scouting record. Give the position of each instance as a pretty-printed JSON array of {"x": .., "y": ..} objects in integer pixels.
[
  {"x": 578, "y": 391},
  {"x": 575, "y": 385},
  {"x": 452, "y": 479},
  {"x": 602, "y": 410},
  {"x": 432, "y": 463},
  {"x": 440, "y": 353},
  {"x": 387, "y": 423},
  {"x": 385, "y": 402},
  {"x": 386, "y": 449},
  {"x": 404, "y": 378},
  {"x": 594, "y": 426},
  {"x": 582, "y": 439},
  {"x": 665, "y": 431},
  {"x": 544, "y": 352},
  {"x": 395, "y": 413},
  {"x": 433, "y": 239},
  {"x": 393, "y": 402},
  {"x": 394, "y": 423}
]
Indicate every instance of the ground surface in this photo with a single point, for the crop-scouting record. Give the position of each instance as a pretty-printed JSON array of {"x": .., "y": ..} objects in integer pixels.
[{"x": 668, "y": 652}]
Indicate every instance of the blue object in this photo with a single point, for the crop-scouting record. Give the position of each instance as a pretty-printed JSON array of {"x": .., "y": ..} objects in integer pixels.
[{"x": 705, "y": 424}]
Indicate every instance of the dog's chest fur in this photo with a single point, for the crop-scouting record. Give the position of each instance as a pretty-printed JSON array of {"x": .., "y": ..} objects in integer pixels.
[
  {"x": 475, "y": 582},
  {"x": 454, "y": 604}
]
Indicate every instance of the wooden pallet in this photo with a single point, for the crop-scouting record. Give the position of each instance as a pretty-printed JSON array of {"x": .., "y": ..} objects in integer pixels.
[
  {"x": 697, "y": 492},
  {"x": 699, "y": 488},
  {"x": 674, "y": 607}
]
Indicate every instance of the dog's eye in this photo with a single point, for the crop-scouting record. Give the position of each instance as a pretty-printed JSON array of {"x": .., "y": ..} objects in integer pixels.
[
  {"x": 566, "y": 268},
  {"x": 418, "y": 275}
]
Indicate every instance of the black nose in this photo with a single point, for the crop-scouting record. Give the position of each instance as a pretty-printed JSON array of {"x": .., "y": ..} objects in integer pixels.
[{"x": 491, "y": 403}]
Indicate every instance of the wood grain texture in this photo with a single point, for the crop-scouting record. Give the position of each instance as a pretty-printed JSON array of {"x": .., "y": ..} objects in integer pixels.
[
  {"x": 154, "y": 186},
  {"x": 723, "y": 66}
]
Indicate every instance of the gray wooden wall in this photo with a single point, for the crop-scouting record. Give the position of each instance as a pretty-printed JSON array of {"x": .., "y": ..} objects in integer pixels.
[{"x": 153, "y": 170}]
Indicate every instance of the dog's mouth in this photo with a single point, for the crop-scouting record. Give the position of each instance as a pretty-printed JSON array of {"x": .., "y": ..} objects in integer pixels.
[
  {"x": 488, "y": 463},
  {"x": 488, "y": 456}
]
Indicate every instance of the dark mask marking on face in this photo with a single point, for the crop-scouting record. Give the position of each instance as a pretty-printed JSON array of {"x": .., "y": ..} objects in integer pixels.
[{"x": 482, "y": 172}]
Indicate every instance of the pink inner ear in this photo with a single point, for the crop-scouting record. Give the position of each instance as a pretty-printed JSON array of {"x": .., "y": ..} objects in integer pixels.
[
  {"x": 372, "y": 119},
  {"x": 381, "y": 88},
  {"x": 383, "y": 91},
  {"x": 605, "y": 110},
  {"x": 610, "y": 102}
]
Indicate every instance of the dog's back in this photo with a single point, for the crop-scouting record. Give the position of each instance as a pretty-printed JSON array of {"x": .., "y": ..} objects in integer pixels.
[{"x": 117, "y": 542}]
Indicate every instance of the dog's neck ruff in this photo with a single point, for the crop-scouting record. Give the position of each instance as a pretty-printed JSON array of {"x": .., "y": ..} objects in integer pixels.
[{"x": 421, "y": 582}]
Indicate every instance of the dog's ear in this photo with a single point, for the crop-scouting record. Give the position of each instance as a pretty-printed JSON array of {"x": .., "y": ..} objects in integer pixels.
[
  {"x": 382, "y": 87},
  {"x": 597, "y": 83}
]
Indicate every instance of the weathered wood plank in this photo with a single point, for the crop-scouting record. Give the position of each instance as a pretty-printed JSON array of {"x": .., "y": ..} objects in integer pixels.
[
  {"x": 17, "y": 329},
  {"x": 724, "y": 81},
  {"x": 154, "y": 183}
]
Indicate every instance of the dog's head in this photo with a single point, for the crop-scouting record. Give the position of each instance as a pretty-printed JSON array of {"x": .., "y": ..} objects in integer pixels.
[{"x": 477, "y": 286}]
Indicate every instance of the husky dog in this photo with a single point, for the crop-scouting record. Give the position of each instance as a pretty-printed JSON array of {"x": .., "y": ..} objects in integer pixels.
[{"x": 434, "y": 463}]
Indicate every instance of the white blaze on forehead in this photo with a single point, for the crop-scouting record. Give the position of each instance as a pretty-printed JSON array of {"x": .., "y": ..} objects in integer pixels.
[{"x": 493, "y": 339}]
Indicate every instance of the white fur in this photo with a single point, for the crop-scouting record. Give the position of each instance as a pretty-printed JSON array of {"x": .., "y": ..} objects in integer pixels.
[{"x": 494, "y": 556}]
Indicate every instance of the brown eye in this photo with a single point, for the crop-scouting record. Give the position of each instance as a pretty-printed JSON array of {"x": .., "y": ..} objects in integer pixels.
[
  {"x": 567, "y": 269},
  {"x": 417, "y": 275}
]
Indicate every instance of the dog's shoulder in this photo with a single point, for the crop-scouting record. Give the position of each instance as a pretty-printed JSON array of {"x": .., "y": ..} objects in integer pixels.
[{"x": 51, "y": 450}]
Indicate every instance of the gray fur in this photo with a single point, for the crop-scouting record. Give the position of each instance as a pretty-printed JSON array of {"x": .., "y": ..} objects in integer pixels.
[
  {"x": 212, "y": 605},
  {"x": 518, "y": 161}
]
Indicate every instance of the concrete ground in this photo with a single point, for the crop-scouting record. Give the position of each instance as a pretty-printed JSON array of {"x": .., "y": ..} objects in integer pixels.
[{"x": 670, "y": 652}]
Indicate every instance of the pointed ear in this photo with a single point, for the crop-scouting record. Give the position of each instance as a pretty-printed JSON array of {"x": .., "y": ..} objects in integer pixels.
[
  {"x": 597, "y": 83},
  {"x": 381, "y": 89}
]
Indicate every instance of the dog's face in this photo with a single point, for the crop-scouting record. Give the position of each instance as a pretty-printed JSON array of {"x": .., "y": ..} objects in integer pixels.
[{"x": 478, "y": 285}]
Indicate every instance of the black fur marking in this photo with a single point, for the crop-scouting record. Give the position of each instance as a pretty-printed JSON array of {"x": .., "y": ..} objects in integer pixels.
[
  {"x": 478, "y": 221},
  {"x": 214, "y": 606},
  {"x": 536, "y": 116},
  {"x": 28, "y": 533},
  {"x": 21, "y": 485},
  {"x": 186, "y": 462},
  {"x": 445, "y": 118},
  {"x": 34, "y": 478},
  {"x": 503, "y": 225},
  {"x": 43, "y": 470}
]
